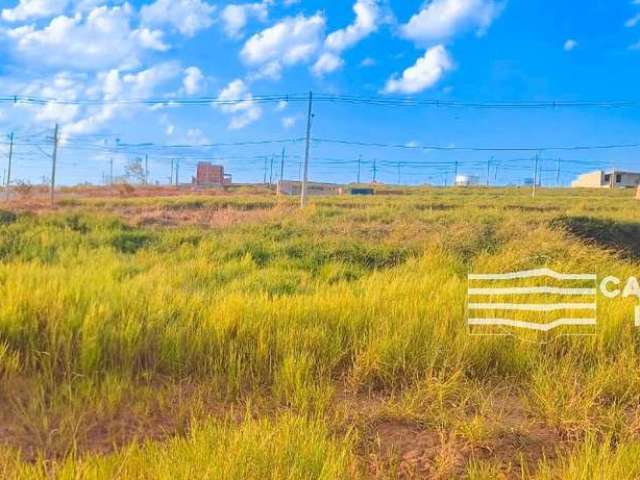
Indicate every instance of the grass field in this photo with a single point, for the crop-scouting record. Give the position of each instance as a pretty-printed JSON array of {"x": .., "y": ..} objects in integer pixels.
[{"x": 239, "y": 337}]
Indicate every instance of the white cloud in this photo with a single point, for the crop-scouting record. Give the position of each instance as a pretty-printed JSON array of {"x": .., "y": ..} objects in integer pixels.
[
  {"x": 28, "y": 9},
  {"x": 570, "y": 44},
  {"x": 327, "y": 63},
  {"x": 107, "y": 85},
  {"x": 186, "y": 16},
  {"x": 193, "y": 81},
  {"x": 289, "y": 42},
  {"x": 102, "y": 39},
  {"x": 367, "y": 62},
  {"x": 195, "y": 136},
  {"x": 426, "y": 72},
  {"x": 289, "y": 122},
  {"x": 441, "y": 19},
  {"x": 369, "y": 17},
  {"x": 236, "y": 16},
  {"x": 244, "y": 112},
  {"x": 633, "y": 21}
]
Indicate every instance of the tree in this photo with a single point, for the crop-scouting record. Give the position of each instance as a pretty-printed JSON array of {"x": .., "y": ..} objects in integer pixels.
[{"x": 134, "y": 170}]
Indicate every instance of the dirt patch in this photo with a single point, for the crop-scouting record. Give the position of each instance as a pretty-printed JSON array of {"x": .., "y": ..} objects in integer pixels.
[
  {"x": 510, "y": 441},
  {"x": 208, "y": 218},
  {"x": 39, "y": 430}
]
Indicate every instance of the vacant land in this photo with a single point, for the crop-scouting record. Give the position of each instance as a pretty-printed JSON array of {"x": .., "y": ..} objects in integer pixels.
[{"x": 239, "y": 337}]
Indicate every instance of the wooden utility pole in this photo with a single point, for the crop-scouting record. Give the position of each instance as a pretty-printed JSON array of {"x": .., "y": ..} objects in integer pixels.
[
  {"x": 146, "y": 169},
  {"x": 266, "y": 160},
  {"x": 282, "y": 164},
  {"x": 489, "y": 171},
  {"x": 54, "y": 159},
  {"x": 558, "y": 174},
  {"x": 111, "y": 171},
  {"x": 8, "y": 181},
  {"x": 303, "y": 190},
  {"x": 171, "y": 175},
  {"x": 271, "y": 171},
  {"x": 359, "y": 162},
  {"x": 535, "y": 177},
  {"x": 455, "y": 173},
  {"x": 375, "y": 171}
]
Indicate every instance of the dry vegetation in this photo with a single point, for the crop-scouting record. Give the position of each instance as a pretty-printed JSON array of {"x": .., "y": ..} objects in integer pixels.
[{"x": 235, "y": 336}]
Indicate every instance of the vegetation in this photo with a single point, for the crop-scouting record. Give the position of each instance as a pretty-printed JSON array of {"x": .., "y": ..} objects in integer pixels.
[{"x": 239, "y": 337}]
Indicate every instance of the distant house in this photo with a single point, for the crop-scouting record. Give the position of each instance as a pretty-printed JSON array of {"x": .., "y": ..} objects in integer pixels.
[
  {"x": 607, "y": 179},
  {"x": 209, "y": 175},
  {"x": 291, "y": 187}
]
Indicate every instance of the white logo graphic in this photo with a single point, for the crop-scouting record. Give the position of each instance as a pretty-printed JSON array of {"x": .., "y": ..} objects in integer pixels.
[{"x": 538, "y": 300}]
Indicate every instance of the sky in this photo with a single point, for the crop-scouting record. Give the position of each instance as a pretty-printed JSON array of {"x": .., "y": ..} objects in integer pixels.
[{"x": 91, "y": 62}]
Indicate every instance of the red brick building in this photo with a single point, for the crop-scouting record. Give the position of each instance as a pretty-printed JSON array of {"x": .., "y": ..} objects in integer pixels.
[{"x": 209, "y": 174}]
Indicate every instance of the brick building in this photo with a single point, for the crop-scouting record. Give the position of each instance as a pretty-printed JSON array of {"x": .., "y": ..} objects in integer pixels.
[{"x": 208, "y": 174}]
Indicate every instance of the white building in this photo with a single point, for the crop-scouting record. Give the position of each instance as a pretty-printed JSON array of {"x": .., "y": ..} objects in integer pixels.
[
  {"x": 291, "y": 187},
  {"x": 467, "y": 180},
  {"x": 607, "y": 179}
]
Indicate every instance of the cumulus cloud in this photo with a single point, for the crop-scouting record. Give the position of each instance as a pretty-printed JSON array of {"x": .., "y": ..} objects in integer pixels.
[
  {"x": 440, "y": 20},
  {"x": 327, "y": 63},
  {"x": 32, "y": 9},
  {"x": 426, "y": 72},
  {"x": 369, "y": 16},
  {"x": 102, "y": 39},
  {"x": 570, "y": 44},
  {"x": 289, "y": 42},
  {"x": 193, "y": 81},
  {"x": 186, "y": 16},
  {"x": 106, "y": 85},
  {"x": 236, "y": 16},
  {"x": 242, "y": 113}
]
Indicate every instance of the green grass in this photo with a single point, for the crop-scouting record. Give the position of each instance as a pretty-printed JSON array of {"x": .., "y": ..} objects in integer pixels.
[{"x": 296, "y": 335}]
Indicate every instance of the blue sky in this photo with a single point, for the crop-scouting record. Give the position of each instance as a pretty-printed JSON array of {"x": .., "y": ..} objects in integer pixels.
[{"x": 450, "y": 50}]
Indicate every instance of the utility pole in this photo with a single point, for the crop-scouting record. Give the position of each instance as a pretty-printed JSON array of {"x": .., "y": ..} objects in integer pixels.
[
  {"x": 540, "y": 163},
  {"x": 9, "y": 167},
  {"x": 54, "y": 159},
  {"x": 359, "y": 162},
  {"x": 489, "y": 171},
  {"x": 265, "y": 170},
  {"x": 535, "y": 177},
  {"x": 146, "y": 169},
  {"x": 282, "y": 164},
  {"x": 271, "y": 171},
  {"x": 398, "y": 173},
  {"x": 111, "y": 171},
  {"x": 171, "y": 174},
  {"x": 375, "y": 170},
  {"x": 177, "y": 172},
  {"x": 303, "y": 190},
  {"x": 558, "y": 174},
  {"x": 455, "y": 173}
]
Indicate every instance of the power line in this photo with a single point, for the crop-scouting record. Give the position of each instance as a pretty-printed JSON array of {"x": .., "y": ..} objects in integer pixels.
[
  {"x": 382, "y": 101},
  {"x": 476, "y": 149}
]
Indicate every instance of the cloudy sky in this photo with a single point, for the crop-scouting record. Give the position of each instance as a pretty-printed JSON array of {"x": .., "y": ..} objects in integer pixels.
[{"x": 450, "y": 50}]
